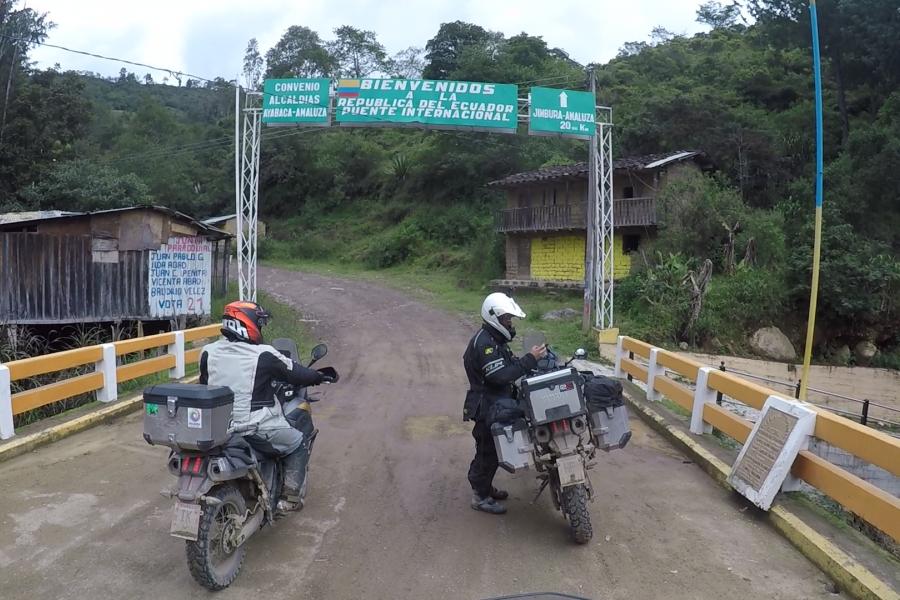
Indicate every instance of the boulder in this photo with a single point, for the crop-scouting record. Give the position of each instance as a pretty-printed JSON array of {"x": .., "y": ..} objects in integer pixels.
[
  {"x": 866, "y": 350},
  {"x": 684, "y": 346},
  {"x": 770, "y": 342},
  {"x": 561, "y": 314}
]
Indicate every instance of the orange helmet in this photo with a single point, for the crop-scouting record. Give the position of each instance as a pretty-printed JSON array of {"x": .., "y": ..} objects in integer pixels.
[{"x": 243, "y": 322}]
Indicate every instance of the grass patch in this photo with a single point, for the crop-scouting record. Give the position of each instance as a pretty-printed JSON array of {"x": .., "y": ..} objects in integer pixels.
[
  {"x": 675, "y": 408},
  {"x": 445, "y": 289},
  {"x": 725, "y": 440}
]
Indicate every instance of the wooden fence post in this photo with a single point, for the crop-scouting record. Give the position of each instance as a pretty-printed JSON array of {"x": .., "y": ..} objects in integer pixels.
[
  {"x": 177, "y": 350},
  {"x": 653, "y": 370},
  {"x": 618, "y": 372},
  {"x": 703, "y": 394},
  {"x": 6, "y": 416},
  {"x": 107, "y": 365}
]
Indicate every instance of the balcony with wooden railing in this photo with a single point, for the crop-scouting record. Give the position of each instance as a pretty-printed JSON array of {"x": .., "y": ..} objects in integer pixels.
[{"x": 628, "y": 212}]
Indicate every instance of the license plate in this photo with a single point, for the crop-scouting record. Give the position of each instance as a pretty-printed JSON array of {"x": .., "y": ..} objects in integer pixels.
[
  {"x": 570, "y": 469},
  {"x": 186, "y": 521}
]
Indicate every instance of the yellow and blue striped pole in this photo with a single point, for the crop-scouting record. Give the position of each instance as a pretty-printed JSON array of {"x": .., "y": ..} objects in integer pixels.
[{"x": 817, "y": 246}]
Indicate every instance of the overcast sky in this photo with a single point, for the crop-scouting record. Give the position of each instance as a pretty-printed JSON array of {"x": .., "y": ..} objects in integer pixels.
[{"x": 208, "y": 37}]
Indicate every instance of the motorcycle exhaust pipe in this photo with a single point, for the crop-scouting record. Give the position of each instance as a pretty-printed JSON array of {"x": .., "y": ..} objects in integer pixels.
[
  {"x": 251, "y": 526},
  {"x": 579, "y": 425}
]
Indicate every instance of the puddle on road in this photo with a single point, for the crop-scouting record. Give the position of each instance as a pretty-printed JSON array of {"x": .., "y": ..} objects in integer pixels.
[{"x": 436, "y": 427}]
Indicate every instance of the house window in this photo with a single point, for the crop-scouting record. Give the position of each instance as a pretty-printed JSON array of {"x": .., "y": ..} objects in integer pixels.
[
  {"x": 628, "y": 192},
  {"x": 631, "y": 243}
]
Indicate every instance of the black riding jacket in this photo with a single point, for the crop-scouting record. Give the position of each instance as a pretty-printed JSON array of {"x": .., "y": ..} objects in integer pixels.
[{"x": 492, "y": 369}]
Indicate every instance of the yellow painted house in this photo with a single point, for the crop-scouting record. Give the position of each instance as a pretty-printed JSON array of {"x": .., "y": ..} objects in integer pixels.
[{"x": 544, "y": 218}]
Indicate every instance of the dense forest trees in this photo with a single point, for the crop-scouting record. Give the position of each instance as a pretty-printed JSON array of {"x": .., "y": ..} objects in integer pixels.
[{"x": 741, "y": 92}]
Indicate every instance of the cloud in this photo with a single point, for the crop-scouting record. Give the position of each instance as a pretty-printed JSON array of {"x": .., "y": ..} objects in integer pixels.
[{"x": 208, "y": 37}]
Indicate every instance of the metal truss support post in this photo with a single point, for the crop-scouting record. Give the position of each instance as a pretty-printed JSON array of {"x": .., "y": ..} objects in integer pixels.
[
  {"x": 248, "y": 199},
  {"x": 604, "y": 220}
]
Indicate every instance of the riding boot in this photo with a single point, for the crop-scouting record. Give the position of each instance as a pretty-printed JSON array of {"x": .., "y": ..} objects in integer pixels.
[{"x": 295, "y": 465}]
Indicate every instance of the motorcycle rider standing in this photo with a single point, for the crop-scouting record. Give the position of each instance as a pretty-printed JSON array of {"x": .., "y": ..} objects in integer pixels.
[
  {"x": 492, "y": 368},
  {"x": 251, "y": 369}
]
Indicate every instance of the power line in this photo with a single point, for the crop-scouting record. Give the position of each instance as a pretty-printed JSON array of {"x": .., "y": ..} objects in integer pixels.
[
  {"x": 194, "y": 145},
  {"x": 172, "y": 72},
  {"x": 569, "y": 76}
]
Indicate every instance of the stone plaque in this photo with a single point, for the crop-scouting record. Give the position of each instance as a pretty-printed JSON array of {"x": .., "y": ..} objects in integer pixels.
[
  {"x": 774, "y": 429},
  {"x": 766, "y": 458}
]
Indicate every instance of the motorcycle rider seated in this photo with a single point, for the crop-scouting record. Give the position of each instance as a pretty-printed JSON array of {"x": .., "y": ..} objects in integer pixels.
[
  {"x": 492, "y": 368},
  {"x": 251, "y": 369}
]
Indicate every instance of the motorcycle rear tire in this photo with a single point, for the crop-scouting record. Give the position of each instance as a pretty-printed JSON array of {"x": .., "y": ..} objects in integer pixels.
[
  {"x": 575, "y": 503},
  {"x": 211, "y": 560}
]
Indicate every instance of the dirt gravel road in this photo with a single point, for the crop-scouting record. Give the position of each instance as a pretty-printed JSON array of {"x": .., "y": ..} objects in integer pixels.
[{"x": 388, "y": 514}]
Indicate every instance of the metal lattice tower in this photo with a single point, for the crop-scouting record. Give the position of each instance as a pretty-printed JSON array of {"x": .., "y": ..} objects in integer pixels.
[
  {"x": 248, "y": 199},
  {"x": 605, "y": 265}
]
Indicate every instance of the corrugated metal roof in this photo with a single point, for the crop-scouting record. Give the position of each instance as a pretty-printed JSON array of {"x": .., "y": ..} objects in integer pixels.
[
  {"x": 23, "y": 218},
  {"x": 580, "y": 170},
  {"x": 217, "y": 220},
  {"x": 671, "y": 159},
  {"x": 34, "y": 215}
]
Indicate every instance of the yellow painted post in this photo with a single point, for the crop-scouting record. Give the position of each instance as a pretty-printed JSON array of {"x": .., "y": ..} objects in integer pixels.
[{"x": 817, "y": 245}]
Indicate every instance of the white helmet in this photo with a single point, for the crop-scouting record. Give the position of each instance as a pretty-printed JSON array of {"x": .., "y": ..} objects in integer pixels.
[{"x": 496, "y": 305}]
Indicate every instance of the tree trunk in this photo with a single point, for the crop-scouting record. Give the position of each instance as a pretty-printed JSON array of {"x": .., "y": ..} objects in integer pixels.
[
  {"x": 750, "y": 254},
  {"x": 9, "y": 78},
  {"x": 842, "y": 98},
  {"x": 697, "y": 288},
  {"x": 729, "y": 247}
]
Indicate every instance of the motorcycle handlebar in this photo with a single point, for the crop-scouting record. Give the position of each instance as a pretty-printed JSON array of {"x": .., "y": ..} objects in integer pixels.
[{"x": 329, "y": 374}]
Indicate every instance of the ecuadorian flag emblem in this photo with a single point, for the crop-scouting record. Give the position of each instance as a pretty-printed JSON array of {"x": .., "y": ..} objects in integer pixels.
[{"x": 348, "y": 88}]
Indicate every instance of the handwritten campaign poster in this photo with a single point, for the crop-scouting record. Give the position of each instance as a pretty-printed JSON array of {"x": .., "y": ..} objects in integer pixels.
[{"x": 181, "y": 277}]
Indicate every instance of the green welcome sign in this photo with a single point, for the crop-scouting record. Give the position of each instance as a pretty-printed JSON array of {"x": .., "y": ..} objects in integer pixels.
[
  {"x": 296, "y": 102},
  {"x": 553, "y": 111},
  {"x": 436, "y": 104},
  {"x": 426, "y": 103}
]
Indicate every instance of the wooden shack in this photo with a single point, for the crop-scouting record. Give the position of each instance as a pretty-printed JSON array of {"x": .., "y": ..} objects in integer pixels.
[
  {"x": 544, "y": 219},
  {"x": 139, "y": 263}
]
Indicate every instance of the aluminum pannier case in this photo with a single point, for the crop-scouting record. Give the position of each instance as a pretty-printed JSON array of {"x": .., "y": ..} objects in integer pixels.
[
  {"x": 512, "y": 445},
  {"x": 187, "y": 416},
  {"x": 609, "y": 417},
  {"x": 553, "y": 396}
]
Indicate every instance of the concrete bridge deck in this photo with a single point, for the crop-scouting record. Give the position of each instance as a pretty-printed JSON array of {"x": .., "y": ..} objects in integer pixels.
[{"x": 387, "y": 515}]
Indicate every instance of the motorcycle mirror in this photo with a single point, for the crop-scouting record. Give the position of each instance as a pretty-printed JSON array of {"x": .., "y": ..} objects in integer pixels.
[
  {"x": 580, "y": 353},
  {"x": 319, "y": 352}
]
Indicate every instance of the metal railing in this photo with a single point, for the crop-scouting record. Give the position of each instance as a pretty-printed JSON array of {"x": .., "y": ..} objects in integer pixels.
[
  {"x": 646, "y": 363},
  {"x": 560, "y": 217},
  {"x": 107, "y": 375},
  {"x": 865, "y": 404}
]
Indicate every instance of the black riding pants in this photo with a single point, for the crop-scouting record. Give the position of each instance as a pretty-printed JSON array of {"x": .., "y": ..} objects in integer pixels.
[{"x": 484, "y": 465}]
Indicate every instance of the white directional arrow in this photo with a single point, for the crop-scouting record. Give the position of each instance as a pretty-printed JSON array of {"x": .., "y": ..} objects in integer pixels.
[{"x": 563, "y": 100}]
